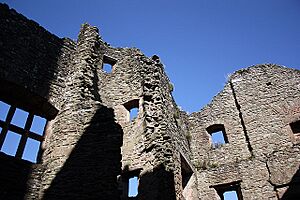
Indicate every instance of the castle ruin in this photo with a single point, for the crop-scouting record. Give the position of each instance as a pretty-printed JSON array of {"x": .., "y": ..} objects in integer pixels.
[{"x": 91, "y": 145}]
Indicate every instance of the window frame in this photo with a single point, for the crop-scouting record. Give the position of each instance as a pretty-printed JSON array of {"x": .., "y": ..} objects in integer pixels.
[
  {"x": 227, "y": 187},
  {"x": 25, "y": 132},
  {"x": 132, "y": 104},
  {"x": 215, "y": 128},
  {"x": 126, "y": 175},
  {"x": 109, "y": 61}
]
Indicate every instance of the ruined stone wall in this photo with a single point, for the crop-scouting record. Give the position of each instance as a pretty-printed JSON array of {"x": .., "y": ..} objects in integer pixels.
[
  {"x": 269, "y": 98},
  {"x": 92, "y": 147},
  {"x": 162, "y": 131},
  {"x": 33, "y": 63},
  {"x": 256, "y": 107},
  {"x": 32, "y": 57},
  {"x": 149, "y": 140},
  {"x": 82, "y": 150}
]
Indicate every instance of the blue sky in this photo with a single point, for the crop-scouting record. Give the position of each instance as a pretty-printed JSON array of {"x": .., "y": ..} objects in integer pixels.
[{"x": 200, "y": 42}]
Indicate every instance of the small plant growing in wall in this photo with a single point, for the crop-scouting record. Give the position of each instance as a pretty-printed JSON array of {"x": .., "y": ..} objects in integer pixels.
[
  {"x": 252, "y": 157},
  {"x": 171, "y": 86},
  {"x": 201, "y": 165},
  {"x": 127, "y": 163},
  {"x": 213, "y": 165},
  {"x": 217, "y": 145},
  {"x": 177, "y": 113}
]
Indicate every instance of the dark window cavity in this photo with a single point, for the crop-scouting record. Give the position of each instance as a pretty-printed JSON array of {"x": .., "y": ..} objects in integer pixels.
[
  {"x": 295, "y": 126},
  {"x": 130, "y": 183},
  {"x": 186, "y": 172}
]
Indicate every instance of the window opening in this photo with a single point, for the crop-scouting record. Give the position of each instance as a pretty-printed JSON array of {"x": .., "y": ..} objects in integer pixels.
[
  {"x": 295, "y": 126},
  {"x": 19, "y": 118},
  {"x": 230, "y": 195},
  {"x": 186, "y": 172},
  {"x": 21, "y": 132},
  {"x": 107, "y": 67},
  {"x": 218, "y": 135},
  {"x": 31, "y": 150},
  {"x": 11, "y": 143},
  {"x": 38, "y": 125},
  {"x": 229, "y": 191},
  {"x": 130, "y": 183},
  {"x": 133, "y": 186},
  {"x": 133, "y": 113},
  {"x": 4, "y": 108},
  {"x": 108, "y": 64},
  {"x": 132, "y": 108}
]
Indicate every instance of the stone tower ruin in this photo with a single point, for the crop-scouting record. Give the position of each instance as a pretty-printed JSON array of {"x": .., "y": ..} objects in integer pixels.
[{"x": 92, "y": 146}]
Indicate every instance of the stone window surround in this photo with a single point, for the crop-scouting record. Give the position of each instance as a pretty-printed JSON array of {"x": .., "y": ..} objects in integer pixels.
[
  {"x": 34, "y": 104},
  {"x": 126, "y": 175},
  {"x": 110, "y": 61},
  {"x": 134, "y": 103},
  {"x": 217, "y": 128},
  {"x": 227, "y": 187}
]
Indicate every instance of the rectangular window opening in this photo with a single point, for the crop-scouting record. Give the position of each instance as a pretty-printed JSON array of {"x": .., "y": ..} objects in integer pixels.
[
  {"x": 108, "y": 64},
  {"x": 218, "y": 135},
  {"x": 11, "y": 143},
  {"x": 133, "y": 184},
  {"x": 31, "y": 150},
  {"x": 19, "y": 118},
  {"x": 229, "y": 191},
  {"x": 4, "y": 108},
  {"x": 133, "y": 109},
  {"x": 21, "y": 132},
  {"x": 38, "y": 125}
]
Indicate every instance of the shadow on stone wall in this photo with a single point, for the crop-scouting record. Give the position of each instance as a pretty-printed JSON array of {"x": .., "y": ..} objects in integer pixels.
[
  {"x": 28, "y": 63},
  {"x": 14, "y": 175},
  {"x": 91, "y": 170},
  {"x": 157, "y": 185},
  {"x": 293, "y": 192},
  {"x": 28, "y": 53}
]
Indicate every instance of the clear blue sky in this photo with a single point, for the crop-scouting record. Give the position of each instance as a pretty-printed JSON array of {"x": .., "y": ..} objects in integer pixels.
[{"x": 200, "y": 42}]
